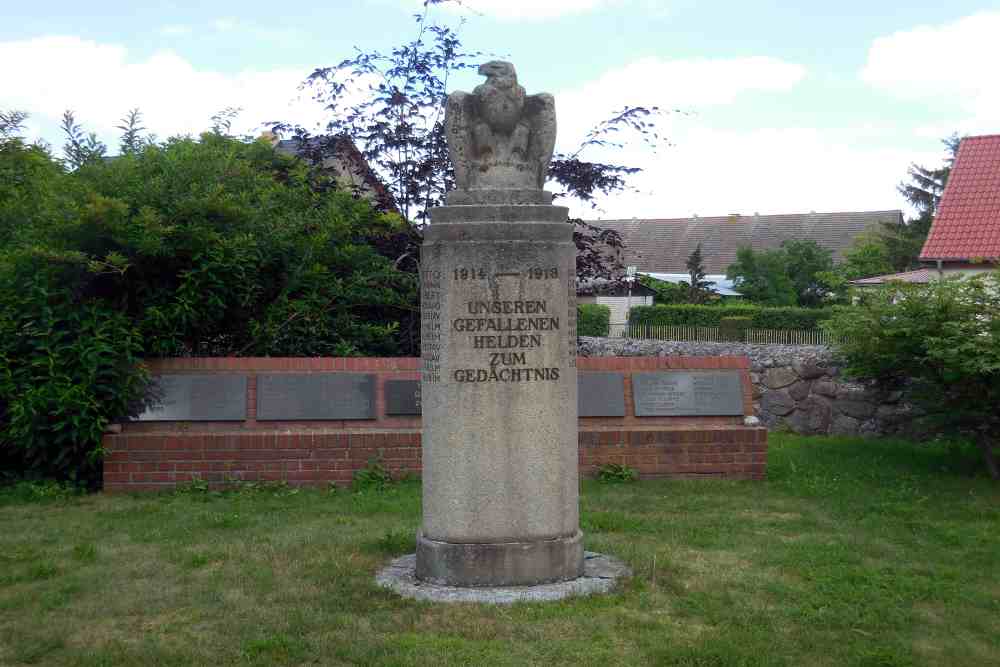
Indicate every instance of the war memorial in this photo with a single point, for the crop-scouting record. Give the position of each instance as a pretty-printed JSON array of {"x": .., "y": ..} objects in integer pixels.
[{"x": 494, "y": 416}]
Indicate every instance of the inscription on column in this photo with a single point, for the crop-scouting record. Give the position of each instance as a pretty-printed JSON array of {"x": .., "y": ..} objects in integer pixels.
[
  {"x": 430, "y": 325},
  {"x": 507, "y": 331},
  {"x": 571, "y": 319}
]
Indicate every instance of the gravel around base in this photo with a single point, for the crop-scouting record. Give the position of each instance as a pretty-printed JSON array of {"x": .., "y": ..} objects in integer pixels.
[{"x": 600, "y": 572}]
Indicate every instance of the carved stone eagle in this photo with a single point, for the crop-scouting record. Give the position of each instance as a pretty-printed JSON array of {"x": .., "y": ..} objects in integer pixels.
[{"x": 498, "y": 137}]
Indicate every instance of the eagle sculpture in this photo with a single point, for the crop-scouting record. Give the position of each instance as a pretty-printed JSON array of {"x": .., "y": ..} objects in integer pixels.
[{"x": 498, "y": 137}]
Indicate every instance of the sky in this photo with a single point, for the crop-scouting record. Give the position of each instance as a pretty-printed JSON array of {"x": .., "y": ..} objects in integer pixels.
[{"x": 771, "y": 106}]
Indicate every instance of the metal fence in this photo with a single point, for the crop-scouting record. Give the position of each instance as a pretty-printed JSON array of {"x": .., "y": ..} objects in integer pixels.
[{"x": 713, "y": 334}]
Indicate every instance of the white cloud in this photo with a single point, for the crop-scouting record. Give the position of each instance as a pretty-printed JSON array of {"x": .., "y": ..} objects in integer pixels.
[
  {"x": 688, "y": 85},
  {"x": 949, "y": 68},
  {"x": 527, "y": 10},
  {"x": 100, "y": 82},
  {"x": 713, "y": 169}
]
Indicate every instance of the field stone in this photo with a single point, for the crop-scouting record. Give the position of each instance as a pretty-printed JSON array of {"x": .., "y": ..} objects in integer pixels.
[
  {"x": 888, "y": 413},
  {"x": 777, "y": 402},
  {"x": 844, "y": 425},
  {"x": 799, "y": 390},
  {"x": 813, "y": 416},
  {"x": 781, "y": 376},
  {"x": 808, "y": 369},
  {"x": 858, "y": 409},
  {"x": 869, "y": 427},
  {"x": 825, "y": 388}
]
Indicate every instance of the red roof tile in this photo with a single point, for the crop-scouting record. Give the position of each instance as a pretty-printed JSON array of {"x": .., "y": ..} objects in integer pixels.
[{"x": 967, "y": 224}]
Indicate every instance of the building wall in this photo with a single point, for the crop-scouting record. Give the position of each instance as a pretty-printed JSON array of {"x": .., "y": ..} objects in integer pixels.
[
  {"x": 968, "y": 269},
  {"x": 619, "y": 305}
]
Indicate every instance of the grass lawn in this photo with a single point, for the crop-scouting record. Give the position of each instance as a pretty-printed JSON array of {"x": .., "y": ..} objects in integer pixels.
[{"x": 852, "y": 553}]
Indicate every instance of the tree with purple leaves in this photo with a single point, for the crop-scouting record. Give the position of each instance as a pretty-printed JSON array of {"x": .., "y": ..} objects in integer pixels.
[{"x": 391, "y": 105}]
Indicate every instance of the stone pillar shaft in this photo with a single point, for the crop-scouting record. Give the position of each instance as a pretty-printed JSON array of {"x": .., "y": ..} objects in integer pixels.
[{"x": 498, "y": 395}]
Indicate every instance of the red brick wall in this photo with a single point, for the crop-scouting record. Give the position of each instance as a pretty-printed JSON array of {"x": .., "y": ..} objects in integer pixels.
[{"x": 158, "y": 455}]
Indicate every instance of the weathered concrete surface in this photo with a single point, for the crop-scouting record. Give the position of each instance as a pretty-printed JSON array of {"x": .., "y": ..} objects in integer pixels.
[
  {"x": 500, "y": 138},
  {"x": 600, "y": 575},
  {"x": 500, "y": 563},
  {"x": 499, "y": 399}
]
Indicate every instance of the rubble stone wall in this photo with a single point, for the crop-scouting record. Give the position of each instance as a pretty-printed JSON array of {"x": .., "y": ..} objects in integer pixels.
[{"x": 796, "y": 387}]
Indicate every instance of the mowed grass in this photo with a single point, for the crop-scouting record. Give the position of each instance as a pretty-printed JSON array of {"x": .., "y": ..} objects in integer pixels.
[{"x": 853, "y": 553}]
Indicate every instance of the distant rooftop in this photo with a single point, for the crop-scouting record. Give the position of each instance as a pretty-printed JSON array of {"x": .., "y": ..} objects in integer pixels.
[
  {"x": 341, "y": 155},
  {"x": 664, "y": 244},
  {"x": 920, "y": 276},
  {"x": 718, "y": 283},
  {"x": 967, "y": 224}
]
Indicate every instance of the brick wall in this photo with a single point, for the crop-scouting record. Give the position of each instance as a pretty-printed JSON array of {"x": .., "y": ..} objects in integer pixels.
[{"x": 158, "y": 455}]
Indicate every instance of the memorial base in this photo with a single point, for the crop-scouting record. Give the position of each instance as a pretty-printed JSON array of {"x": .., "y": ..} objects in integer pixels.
[
  {"x": 500, "y": 563},
  {"x": 601, "y": 573}
]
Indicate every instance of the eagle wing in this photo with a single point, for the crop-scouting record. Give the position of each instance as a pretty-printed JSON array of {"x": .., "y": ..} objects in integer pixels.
[
  {"x": 540, "y": 112},
  {"x": 458, "y": 119}
]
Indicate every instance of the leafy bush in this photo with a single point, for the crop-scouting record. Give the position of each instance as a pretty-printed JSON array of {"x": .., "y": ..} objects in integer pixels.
[
  {"x": 666, "y": 292},
  {"x": 67, "y": 370},
  {"x": 616, "y": 473},
  {"x": 373, "y": 477},
  {"x": 787, "y": 276},
  {"x": 185, "y": 248},
  {"x": 732, "y": 328},
  {"x": 217, "y": 247},
  {"x": 593, "y": 320},
  {"x": 942, "y": 342},
  {"x": 712, "y": 316}
]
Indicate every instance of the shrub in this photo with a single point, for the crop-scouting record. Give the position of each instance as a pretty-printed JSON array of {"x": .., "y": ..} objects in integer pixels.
[
  {"x": 616, "y": 473},
  {"x": 67, "y": 370},
  {"x": 942, "y": 342},
  {"x": 593, "y": 320},
  {"x": 187, "y": 248},
  {"x": 732, "y": 328},
  {"x": 373, "y": 477},
  {"x": 711, "y": 316}
]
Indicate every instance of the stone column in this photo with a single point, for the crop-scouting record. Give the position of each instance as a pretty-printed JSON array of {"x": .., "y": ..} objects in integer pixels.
[{"x": 499, "y": 385}]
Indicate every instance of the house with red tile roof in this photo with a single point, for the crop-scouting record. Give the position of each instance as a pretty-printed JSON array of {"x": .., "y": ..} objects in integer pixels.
[{"x": 965, "y": 235}]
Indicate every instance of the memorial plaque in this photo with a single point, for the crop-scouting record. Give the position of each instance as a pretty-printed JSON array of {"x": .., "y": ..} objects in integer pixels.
[
  {"x": 294, "y": 396},
  {"x": 402, "y": 397},
  {"x": 198, "y": 398},
  {"x": 601, "y": 395},
  {"x": 687, "y": 393}
]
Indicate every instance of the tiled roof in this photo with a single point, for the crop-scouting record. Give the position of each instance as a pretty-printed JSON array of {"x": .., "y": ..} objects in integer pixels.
[
  {"x": 967, "y": 224},
  {"x": 343, "y": 157},
  {"x": 920, "y": 276},
  {"x": 663, "y": 245}
]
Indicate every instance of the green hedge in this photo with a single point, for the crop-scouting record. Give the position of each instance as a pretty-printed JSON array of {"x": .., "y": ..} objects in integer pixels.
[
  {"x": 592, "y": 320},
  {"x": 712, "y": 316},
  {"x": 732, "y": 328}
]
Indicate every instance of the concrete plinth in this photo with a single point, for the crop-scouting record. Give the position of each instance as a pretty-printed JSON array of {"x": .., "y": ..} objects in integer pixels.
[
  {"x": 498, "y": 394},
  {"x": 601, "y": 573},
  {"x": 499, "y": 563}
]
